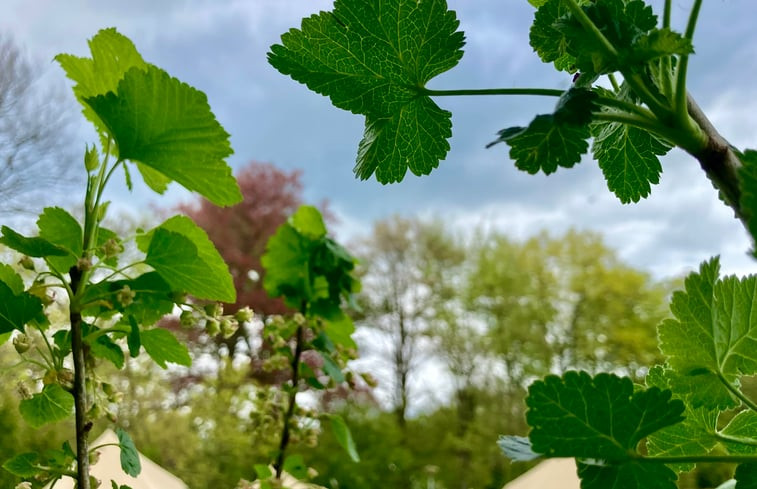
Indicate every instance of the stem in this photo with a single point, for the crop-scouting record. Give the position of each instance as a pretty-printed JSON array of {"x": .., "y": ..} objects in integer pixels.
[
  {"x": 666, "y": 14},
  {"x": 614, "y": 82},
  {"x": 736, "y": 392},
  {"x": 735, "y": 459},
  {"x": 681, "y": 96},
  {"x": 279, "y": 465},
  {"x": 548, "y": 92},
  {"x": 642, "y": 123},
  {"x": 717, "y": 159},
  {"x": 736, "y": 439},
  {"x": 80, "y": 392}
]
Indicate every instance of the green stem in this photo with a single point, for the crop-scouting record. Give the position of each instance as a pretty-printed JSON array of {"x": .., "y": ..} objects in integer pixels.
[
  {"x": 548, "y": 92},
  {"x": 100, "y": 332},
  {"x": 628, "y": 107},
  {"x": 736, "y": 392},
  {"x": 666, "y": 14},
  {"x": 683, "y": 63},
  {"x": 641, "y": 122},
  {"x": 682, "y": 459},
  {"x": 736, "y": 439},
  {"x": 614, "y": 82}
]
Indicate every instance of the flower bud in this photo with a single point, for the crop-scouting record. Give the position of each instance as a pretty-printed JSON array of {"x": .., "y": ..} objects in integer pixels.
[
  {"x": 94, "y": 457},
  {"x": 299, "y": 319},
  {"x": 125, "y": 296},
  {"x": 244, "y": 315},
  {"x": 22, "y": 343},
  {"x": 212, "y": 327},
  {"x": 23, "y": 391},
  {"x": 214, "y": 310},
  {"x": 112, "y": 248},
  {"x": 24, "y": 485},
  {"x": 229, "y": 326},
  {"x": 84, "y": 264},
  {"x": 66, "y": 379},
  {"x": 26, "y": 262},
  {"x": 187, "y": 319}
]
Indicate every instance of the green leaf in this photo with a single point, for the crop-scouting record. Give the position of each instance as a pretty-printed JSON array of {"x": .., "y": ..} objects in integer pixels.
[
  {"x": 711, "y": 338},
  {"x": 373, "y": 58},
  {"x": 183, "y": 255},
  {"x": 112, "y": 55},
  {"x": 10, "y": 278},
  {"x": 17, "y": 309},
  {"x": 746, "y": 476},
  {"x": 286, "y": 262},
  {"x": 331, "y": 368},
  {"x": 263, "y": 471},
  {"x": 104, "y": 347},
  {"x": 60, "y": 228},
  {"x": 165, "y": 124},
  {"x": 4, "y": 337},
  {"x": 597, "y": 417},
  {"x": 740, "y": 435},
  {"x": 133, "y": 340},
  {"x": 130, "y": 463},
  {"x": 631, "y": 475},
  {"x": 628, "y": 159},
  {"x": 37, "y": 247},
  {"x": 695, "y": 435},
  {"x": 153, "y": 178},
  {"x": 546, "y": 144},
  {"x": 51, "y": 405},
  {"x": 24, "y": 465},
  {"x": 748, "y": 186},
  {"x": 517, "y": 448},
  {"x": 548, "y": 42},
  {"x": 340, "y": 329},
  {"x": 307, "y": 220},
  {"x": 658, "y": 43},
  {"x": 622, "y": 22},
  {"x": 163, "y": 347},
  {"x": 295, "y": 465},
  {"x": 344, "y": 436}
]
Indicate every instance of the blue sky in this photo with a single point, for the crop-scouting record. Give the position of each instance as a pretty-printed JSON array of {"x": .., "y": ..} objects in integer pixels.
[{"x": 220, "y": 47}]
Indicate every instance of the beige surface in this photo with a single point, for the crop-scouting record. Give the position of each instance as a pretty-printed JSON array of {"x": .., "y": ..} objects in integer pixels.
[
  {"x": 553, "y": 473},
  {"x": 108, "y": 468}
]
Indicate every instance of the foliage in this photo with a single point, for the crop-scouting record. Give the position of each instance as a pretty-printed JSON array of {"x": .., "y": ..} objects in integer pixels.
[
  {"x": 110, "y": 304},
  {"x": 314, "y": 275},
  {"x": 353, "y": 55}
]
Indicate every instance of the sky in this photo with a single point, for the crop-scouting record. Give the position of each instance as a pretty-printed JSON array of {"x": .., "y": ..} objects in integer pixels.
[{"x": 220, "y": 46}]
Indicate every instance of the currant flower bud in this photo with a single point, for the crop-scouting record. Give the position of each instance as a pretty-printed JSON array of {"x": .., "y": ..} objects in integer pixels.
[
  {"x": 26, "y": 262},
  {"x": 229, "y": 326},
  {"x": 299, "y": 319},
  {"x": 125, "y": 296},
  {"x": 66, "y": 378},
  {"x": 94, "y": 457},
  {"x": 187, "y": 319},
  {"x": 112, "y": 248},
  {"x": 214, "y": 310},
  {"x": 244, "y": 315},
  {"x": 212, "y": 327},
  {"x": 22, "y": 343},
  {"x": 84, "y": 264},
  {"x": 23, "y": 391}
]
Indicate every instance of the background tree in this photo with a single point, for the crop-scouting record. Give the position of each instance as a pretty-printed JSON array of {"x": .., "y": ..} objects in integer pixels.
[{"x": 36, "y": 127}]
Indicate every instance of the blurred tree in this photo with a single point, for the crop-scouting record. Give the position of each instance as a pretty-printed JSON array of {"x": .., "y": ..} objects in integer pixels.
[
  {"x": 36, "y": 128},
  {"x": 407, "y": 267}
]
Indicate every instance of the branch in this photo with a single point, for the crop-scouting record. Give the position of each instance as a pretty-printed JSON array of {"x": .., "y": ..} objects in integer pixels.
[
  {"x": 718, "y": 160},
  {"x": 80, "y": 390}
]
